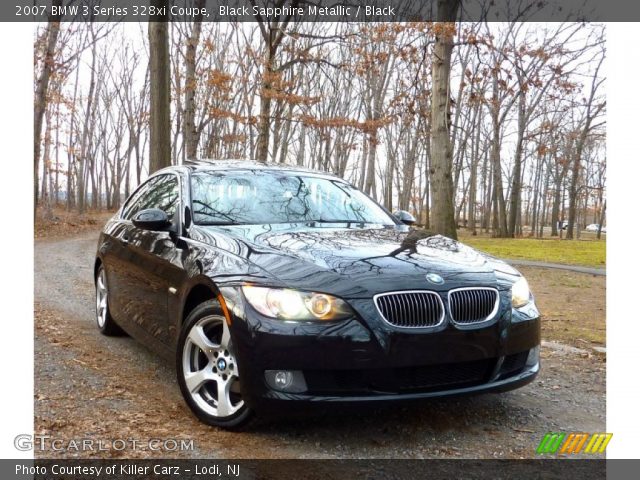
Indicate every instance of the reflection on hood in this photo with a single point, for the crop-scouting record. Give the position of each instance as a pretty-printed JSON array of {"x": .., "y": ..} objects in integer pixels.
[{"x": 357, "y": 258}]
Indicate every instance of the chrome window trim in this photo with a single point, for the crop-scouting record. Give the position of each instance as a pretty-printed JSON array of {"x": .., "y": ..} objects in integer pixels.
[
  {"x": 397, "y": 292},
  {"x": 489, "y": 318}
]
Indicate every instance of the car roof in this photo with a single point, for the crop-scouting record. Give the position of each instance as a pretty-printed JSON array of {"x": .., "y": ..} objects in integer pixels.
[{"x": 240, "y": 165}]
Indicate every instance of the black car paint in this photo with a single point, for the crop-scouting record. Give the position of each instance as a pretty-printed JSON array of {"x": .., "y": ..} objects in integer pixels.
[{"x": 351, "y": 261}]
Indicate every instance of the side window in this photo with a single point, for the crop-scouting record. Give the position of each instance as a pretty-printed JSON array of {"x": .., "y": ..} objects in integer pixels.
[
  {"x": 163, "y": 194},
  {"x": 160, "y": 192},
  {"x": 133, "y": 205}
]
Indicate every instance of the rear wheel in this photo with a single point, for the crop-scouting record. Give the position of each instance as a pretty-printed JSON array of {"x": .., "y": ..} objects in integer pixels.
[
  {"x": 208, "y": 370},
  {"x": 105, "y": 322}
]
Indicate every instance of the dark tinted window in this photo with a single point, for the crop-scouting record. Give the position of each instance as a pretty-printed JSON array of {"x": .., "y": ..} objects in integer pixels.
[
  {"x": 132, "y": 205},
  {"x": 160, "y": 192},
  {"x": 261, "y": 197}
]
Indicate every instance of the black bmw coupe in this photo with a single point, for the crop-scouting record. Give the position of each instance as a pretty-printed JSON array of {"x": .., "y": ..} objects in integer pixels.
[{"x": 275, "y": 285}]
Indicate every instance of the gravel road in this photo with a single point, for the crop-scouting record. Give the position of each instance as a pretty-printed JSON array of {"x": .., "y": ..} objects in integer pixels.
[
  {"x": 101, "y": 389},
  {"x": 558, "y": 266}
]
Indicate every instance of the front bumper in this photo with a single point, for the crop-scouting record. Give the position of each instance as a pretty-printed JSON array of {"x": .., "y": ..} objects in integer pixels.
[
  {"x": 364, "y": 360},
  {"x": 274, "y": 400}
]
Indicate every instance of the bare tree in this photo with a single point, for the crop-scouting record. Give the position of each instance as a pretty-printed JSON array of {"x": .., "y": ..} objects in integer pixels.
[
  {"x": 191, "y": 134},
  {"x": 593, "y": 109},
  {"x": 160, "y": 105},
  {"x": 442, "y": 211},
  {"x": 49, "y": 40},
  {"x": 481, "y": 121}
]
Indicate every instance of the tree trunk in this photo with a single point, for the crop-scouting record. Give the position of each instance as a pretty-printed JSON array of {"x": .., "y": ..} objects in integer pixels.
[
  {"x": 555, "y": 209},
  {"x": 442, "y": 208},
  {"x": 388, "y": 181},
  {"x": 488, "y": 189},
  {"x": 301, "y": 151},
  {"x": 427, "y": 191},
  {"x": 264, "y": 126},
  {"x": 543, "y": 218},
  {"x": 562, "y": 210},
  {"x": 473, "y": 174},
  {"x": 471, "y": 214},
  {"x": 601, "y": 221},
  {"x": 536, "y": 198},
  {"x": 56, "y": 185},
  {"x": 285, "y": 137},
  {"x": 40, "y": 97},
  {"x": 370, "y": 186},
  {"x": 557, "y": 200},
  {"x": 573, "y": 187},
  {"x": 590, "y": 115},
  {"x": 190, "y": 132},
  {"x": 499, "y": 223},
  {"x": 46, "y": 170},
  {"x": 516, "y": 184},
  {"x": 160, "y": 105},
  {"x": 86, "y": 132},
  {"x": 363, "y": 161}
]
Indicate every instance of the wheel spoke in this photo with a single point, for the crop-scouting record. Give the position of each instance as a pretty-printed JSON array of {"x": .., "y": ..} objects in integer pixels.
[
  {"x": 197, "y": 336},
  {"x": 195, "y": 380},
  {"x": 224, "y": 406},
  {"x": 101, "y": 299},
  {"x": 226, "y": 336}
]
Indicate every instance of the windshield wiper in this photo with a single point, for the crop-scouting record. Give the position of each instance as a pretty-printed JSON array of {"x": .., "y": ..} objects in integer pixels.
[
  {"x": 222, "y": 222},
  {"x": 335, "y": 220}
]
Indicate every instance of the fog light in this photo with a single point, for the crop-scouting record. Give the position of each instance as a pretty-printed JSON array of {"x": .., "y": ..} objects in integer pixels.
[
  {"x": 286, "y": 380},
  {"x": 282, "y": 379},
  {"x": 533, "y": 357}
]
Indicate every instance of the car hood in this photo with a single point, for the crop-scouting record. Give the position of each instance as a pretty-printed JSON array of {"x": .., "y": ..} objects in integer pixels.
[{"x": 358, "y": 261}]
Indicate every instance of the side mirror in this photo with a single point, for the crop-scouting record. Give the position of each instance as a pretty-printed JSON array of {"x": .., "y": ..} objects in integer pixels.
[
  {"x": 152, "y": 219},
  {"x": 405, "y": 217}
]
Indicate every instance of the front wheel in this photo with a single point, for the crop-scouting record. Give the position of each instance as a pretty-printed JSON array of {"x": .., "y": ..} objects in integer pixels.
[{"x": 208, "y": 370}]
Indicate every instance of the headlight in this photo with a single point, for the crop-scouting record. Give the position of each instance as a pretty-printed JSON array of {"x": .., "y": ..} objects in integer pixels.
[
  {"x": 520, "y": 293},
  {"x": 289, "y": 304}
]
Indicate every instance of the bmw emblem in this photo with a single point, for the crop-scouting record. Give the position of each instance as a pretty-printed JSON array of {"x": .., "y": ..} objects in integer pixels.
[
  {"x": 435, "y": 278},
  {"x": 221, "y": 364}
]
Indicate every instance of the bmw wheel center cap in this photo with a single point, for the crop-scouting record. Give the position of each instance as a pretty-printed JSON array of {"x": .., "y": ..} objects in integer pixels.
[{"x": 221, "y": 364}]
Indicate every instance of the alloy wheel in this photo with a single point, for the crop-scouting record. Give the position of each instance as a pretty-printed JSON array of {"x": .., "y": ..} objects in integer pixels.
[
  {"x": 101, "y": 298},
  {"x": 210, "y": 369}
]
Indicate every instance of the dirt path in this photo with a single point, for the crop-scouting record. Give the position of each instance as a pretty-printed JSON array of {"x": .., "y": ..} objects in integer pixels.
[
  {"x": 558, "y": 266},
  {"x": 98, "y": 388}
]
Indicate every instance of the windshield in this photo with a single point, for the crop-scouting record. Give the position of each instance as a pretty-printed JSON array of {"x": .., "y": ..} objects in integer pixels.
[{"x": 261, "y": 197}]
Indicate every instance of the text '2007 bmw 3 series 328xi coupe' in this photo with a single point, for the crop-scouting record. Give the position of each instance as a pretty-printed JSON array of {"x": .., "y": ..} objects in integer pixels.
[{"x": 274, "y": 285}]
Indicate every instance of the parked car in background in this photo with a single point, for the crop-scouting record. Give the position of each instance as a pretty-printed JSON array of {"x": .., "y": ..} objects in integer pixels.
[
  {"x": 272, "y": 285},
  {"x": 594, "y": 228}
]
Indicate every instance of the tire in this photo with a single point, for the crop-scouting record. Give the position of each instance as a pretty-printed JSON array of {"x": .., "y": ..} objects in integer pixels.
[
  {"x": 104, "y": 320},
  {"x": 207, "y": 368}
]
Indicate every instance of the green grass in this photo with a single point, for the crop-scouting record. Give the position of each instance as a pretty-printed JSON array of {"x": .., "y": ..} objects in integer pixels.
[{"x": 590, "y": 253}]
